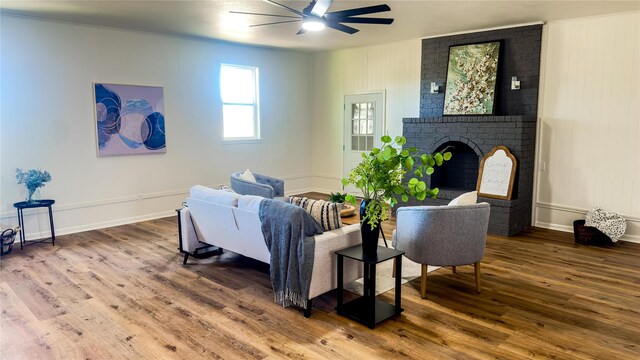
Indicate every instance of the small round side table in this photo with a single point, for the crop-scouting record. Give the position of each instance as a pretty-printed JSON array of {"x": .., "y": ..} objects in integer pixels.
[{"x": 20, "y": 206}]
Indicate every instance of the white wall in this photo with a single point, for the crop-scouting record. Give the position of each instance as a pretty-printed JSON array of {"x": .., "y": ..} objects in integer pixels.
[
  {"x": 394, "y": 68},
  {"x": 590, "y": 121},
  {"x": 47, "y": 113}
]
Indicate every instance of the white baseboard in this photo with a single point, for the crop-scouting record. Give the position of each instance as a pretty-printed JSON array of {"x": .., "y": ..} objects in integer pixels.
[
  {"x": 327, "y": 176},
  {"x": 96, "y": 203},
  {"x": 326, "y": 191},
  {"x": 298, "y": 191},
  {"x": 564, "y": 216},
  {"x": 295, "y": 177},
  {"x": 580, "y": 211},
  {"x": 544, "y": 225},
  {"x": 99, "y": 225}
]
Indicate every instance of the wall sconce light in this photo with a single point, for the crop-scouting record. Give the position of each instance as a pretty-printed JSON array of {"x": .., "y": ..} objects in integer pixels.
[
  {"x": 435, "y": 88},
  {"x": 515, "y": 83}
]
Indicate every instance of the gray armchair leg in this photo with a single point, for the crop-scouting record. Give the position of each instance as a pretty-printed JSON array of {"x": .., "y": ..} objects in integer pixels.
[
  {"x": 453, "y": 269},
  {"x": 423, "y": 282},
  {"x": 186, "y": 256},
  {"x": 477, "y": 269}
]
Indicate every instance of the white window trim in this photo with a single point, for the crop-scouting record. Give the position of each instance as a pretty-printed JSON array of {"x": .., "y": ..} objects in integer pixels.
[{"x": 256, "y": 114}]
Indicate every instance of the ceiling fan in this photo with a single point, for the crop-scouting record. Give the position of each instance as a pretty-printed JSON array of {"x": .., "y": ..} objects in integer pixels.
[{"x": 315, "y": 16}]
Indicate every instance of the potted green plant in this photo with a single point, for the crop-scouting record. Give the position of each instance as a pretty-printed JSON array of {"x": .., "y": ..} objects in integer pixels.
[
  {"x": 337, "y": 197},
  {"x": 345, "y": 209},
  {"x": 385, "y": 176}
]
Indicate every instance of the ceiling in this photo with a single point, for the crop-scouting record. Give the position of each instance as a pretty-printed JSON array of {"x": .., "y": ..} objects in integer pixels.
[{"x": 211, "y": 19}]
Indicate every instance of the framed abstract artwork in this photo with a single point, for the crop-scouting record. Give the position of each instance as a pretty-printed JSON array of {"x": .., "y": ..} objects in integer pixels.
[
  {"x": 129, "y": 119},
  {"x": 471, "y": 79}
]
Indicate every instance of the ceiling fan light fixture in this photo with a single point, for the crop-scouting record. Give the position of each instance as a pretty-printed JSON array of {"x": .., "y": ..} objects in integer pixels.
[
  {"x": 315, "y": 17},
  {"x": 313, "y": 25}
]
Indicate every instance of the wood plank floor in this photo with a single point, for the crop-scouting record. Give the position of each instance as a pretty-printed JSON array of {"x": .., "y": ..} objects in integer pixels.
[{"x": 122, "y": 293}]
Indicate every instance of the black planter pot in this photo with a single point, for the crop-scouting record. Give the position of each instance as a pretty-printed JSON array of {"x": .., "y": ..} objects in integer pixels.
[{"x": 369, "y": 234}]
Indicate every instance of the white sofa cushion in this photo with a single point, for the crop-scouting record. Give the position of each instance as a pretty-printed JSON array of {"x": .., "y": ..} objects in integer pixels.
[
  {"x": 248, "y": 176},
  {"x": 250, "y": 202},
  {"x": 215, "y": 196},
  {"x": 469, "y": 198}
]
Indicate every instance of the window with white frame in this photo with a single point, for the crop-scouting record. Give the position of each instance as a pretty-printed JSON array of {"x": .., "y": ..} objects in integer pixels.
[{"x": 239, "y": 93}]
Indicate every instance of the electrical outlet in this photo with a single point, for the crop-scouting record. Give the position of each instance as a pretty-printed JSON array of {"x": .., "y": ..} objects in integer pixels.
[{"x": 542, "y": 166}]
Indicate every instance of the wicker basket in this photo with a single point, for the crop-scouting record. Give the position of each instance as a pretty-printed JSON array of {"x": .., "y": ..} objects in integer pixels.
[
  {"x": 588, "y": 235},
  {"x": 8, "y": 237}
]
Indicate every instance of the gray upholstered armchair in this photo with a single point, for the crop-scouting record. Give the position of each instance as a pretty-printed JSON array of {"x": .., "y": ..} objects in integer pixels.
[
  {"x": 442, "y": 236},
  {"x": 266, "y": 186}
]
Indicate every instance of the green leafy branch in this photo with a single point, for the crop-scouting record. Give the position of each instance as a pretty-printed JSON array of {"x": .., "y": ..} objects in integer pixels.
[{"x": 381, "y": 172}]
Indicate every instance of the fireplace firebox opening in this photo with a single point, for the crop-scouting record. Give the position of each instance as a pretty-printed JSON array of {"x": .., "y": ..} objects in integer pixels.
[{"x": 459, "y": 173}]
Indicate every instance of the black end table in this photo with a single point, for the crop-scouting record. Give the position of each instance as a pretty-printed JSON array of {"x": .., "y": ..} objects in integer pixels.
[
  {"x": 368, "y": 309},
  {"x": 30, "y": 205}
]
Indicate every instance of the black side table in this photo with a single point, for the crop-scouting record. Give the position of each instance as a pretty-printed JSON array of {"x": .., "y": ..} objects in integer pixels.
[
  {"x": 30, "y": 205},
  {"x": 368, "y": 309}
]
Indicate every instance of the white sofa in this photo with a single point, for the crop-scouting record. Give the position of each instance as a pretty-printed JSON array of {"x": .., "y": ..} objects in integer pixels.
[{"x": 231, "y": 221}]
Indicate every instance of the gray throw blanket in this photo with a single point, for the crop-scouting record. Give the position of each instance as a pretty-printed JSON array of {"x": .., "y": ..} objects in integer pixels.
[{"x": 288, "y": 232}]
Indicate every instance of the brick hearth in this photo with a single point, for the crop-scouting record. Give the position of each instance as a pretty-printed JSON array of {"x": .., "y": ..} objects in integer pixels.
[{"x": 482, "y": 133}]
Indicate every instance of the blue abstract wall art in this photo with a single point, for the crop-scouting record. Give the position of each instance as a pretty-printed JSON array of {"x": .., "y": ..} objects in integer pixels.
[{"x": 129, "y": 119}]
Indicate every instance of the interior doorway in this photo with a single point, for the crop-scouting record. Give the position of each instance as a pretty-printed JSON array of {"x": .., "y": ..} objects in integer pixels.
[{"x": 363, "y": 127}]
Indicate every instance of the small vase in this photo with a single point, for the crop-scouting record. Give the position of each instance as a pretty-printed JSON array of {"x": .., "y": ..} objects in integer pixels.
[
  {"x": 369, "y": 234},
  {"x": 33, "y": 195}
]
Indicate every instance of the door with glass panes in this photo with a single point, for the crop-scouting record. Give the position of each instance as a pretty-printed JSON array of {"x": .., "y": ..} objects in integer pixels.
[{"x": 363, "y": 124}]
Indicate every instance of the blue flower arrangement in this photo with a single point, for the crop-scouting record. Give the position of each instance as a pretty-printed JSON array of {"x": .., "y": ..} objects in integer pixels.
[{"x": 33, "y": 179}]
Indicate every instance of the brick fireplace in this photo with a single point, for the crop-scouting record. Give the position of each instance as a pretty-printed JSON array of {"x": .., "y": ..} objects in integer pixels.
[{"x": 471, "y": 137}]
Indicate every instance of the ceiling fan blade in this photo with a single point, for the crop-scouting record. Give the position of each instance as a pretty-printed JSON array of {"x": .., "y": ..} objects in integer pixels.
[
  {"x": 355, "y": 12},
  {"x": 365, "y": 20},
  {"x": 301, "y": 31},
  {"x": 274, "y": 23},
  {"x": 344, "y": 28},
  {"x": 285, "y": 7},
  {"x": 252, "y": 13},
  {"x": 320, "y": 7}
]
